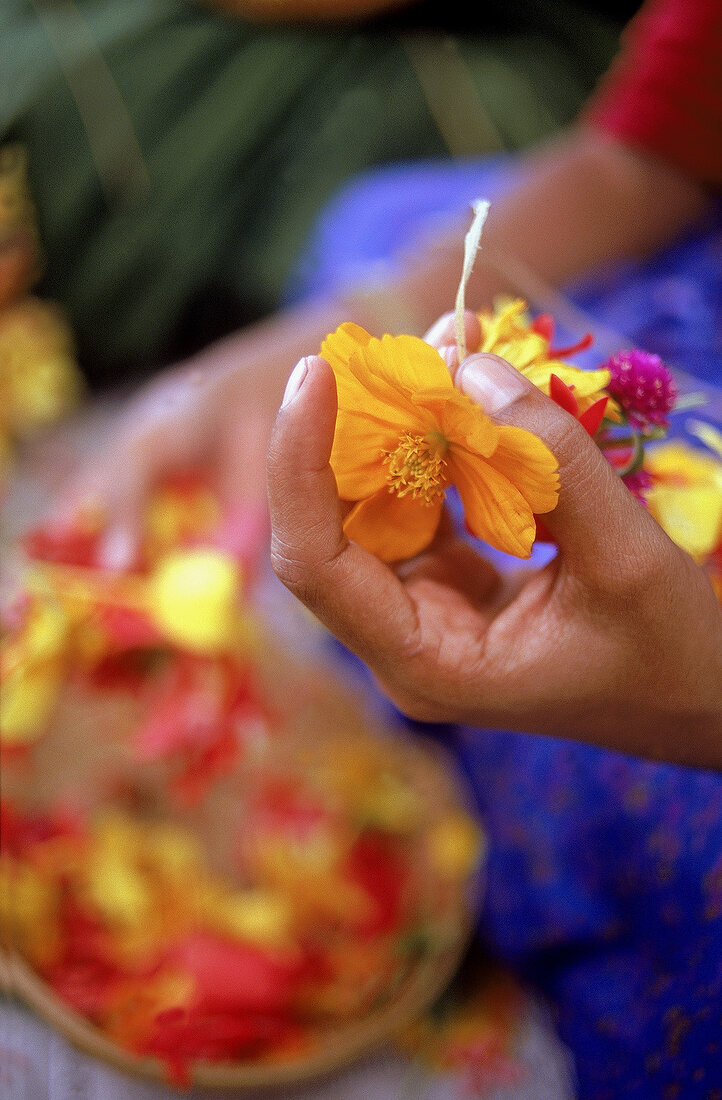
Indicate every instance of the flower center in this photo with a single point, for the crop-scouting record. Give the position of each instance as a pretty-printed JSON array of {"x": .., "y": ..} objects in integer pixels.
[{"x": 416, "y": 467}]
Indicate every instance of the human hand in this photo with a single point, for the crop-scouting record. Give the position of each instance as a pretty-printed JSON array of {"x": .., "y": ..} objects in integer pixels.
[
  {"x": 617, "y": 641},
  {"x": 212, "y": 414}
]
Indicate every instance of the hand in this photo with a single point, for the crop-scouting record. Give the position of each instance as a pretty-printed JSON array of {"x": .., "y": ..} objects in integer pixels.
[
  {"x": 214, "y": 412},
  {"x": 617, "y": 641}
]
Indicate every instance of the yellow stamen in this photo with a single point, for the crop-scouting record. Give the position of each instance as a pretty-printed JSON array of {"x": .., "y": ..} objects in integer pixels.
[{"x": 417, "y": 467}]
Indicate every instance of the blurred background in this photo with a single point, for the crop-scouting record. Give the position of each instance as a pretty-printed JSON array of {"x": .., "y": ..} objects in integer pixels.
[
  {"x": 173, "y": 172},
  {"x": 180, "y": 152}
]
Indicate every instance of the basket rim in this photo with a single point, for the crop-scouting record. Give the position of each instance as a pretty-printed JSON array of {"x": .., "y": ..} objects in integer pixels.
[{"x": 344, "y": 1045}]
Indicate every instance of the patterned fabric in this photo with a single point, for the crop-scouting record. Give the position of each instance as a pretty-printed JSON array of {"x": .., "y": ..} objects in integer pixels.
[{"x": 605, "y": 874}]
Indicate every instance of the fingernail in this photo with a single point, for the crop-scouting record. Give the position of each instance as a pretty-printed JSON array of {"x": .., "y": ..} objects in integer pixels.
[
  {"x": 295, "y": 381},
  {"x": 450, "y": 355},
  {"x": 491, "y": 382},
  {"x": 117, "y": 550},
  {"x": 443, "y": 329}
]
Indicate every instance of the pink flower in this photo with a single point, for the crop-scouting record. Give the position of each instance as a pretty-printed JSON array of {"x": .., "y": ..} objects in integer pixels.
[{"x": 643, "y": 387}]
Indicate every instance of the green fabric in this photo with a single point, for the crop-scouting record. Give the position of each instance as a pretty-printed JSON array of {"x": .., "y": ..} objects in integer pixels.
[{"x": 244, "y": 133}]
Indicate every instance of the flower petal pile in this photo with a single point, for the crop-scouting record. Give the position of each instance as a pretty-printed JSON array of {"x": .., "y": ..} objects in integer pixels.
[
  {"x": 179, "y": 630},
  {"x": 332, "y": 897}
]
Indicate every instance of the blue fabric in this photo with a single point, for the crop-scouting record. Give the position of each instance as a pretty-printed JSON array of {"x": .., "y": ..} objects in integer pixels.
[{"x": 605, "y": 872}]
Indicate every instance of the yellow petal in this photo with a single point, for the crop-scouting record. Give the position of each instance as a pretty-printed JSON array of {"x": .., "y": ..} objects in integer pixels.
[
  {"x": 678, "y": 463},
  {"x": 529, "y": 465},
  {"x": 393, "y": 527},
  {"x": 193, "y": 598},
  {"x": 495, "y": 509},
  {"x": 392, "y": 370},
  {"x": 456, "y": 845},
  {"x": 465, "y": 422},
  {"x": 377, "y": 402},
  {"x": 411, "y": 362},
  {"x": 359, "y": 445},
  {"x": 586, "y": 384},
  {"x": 362, "y": 384},
  {"x": 359, "y": 389},
  {"x": 27, "y": 702},
  {"x": 339, "y": 346},
  {"x": 691, "y": 516}
]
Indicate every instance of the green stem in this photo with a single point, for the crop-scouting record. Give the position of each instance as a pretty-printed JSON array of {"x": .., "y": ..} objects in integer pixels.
[{"x": 637, "y": 458}]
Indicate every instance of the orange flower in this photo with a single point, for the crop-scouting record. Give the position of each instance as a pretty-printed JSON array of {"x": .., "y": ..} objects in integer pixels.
[{"x": 404, "y": 434}]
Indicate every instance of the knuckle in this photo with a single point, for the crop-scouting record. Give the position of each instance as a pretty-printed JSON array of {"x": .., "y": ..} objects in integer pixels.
[
  {"x": 306, "y": 575},
  {"x": 580, "y": 459},
  {"x": 293, "y": 572}
]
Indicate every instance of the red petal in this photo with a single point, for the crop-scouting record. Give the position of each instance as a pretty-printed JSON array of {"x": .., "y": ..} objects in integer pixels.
[
  {"x": 563, "y": 395},
  {"x": 235, "y": 977},
  {"x": 376, "y": 864},
  {"x": 543, "y": 325},
  {"x": 581, "y": 345},
  {"x": 592, "y": 417},
  {"x": 63, "y": 543},
  {"x": 127, "y": 627}
]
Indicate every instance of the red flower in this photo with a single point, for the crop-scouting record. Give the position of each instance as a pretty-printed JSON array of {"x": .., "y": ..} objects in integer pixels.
[
  {"x": 591, "y": 418},
  {"x": 197, "y": 719},
  {"x": 64, "y": 543}
]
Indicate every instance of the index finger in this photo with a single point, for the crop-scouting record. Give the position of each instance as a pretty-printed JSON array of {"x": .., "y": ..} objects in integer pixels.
[{"x": 355, "y": 595}]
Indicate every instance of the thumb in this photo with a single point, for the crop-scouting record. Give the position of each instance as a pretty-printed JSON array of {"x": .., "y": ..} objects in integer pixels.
[
  {"x": 340, "y": 582},
  {"x": 120, "y": 497},
  {"x": 598, "y": 524}
]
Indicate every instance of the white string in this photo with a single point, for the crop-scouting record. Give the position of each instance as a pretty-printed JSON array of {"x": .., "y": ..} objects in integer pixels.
[{"x": 471, "y": 247}]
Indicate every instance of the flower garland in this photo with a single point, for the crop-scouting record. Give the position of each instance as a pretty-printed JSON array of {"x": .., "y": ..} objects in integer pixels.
[{"x": 405, "y": 435}]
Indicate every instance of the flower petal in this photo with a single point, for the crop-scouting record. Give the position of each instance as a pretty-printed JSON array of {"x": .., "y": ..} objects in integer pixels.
[
  {"x": 463, "y": 421},
  {"x": 496, "y": 511},
  {"x": 380, "y": 376},
  {"x": 396, "y": 372},
  {"x": 584, "y": 383},
  {"x": 530, "y": 466},
  {"x": 393, "y": 527},
  {"x": 411, "y": 362},
  {"x": 339, "y": 346},
  {"x": 357, "y": 454},
  {"x": 375, "y": 381}
]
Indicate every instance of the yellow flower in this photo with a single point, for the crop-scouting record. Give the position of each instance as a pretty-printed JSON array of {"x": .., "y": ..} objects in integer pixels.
[
  {"x": 404, "y": 434},
  {"x": 32, "y": 671},
  {"x": 686, "y": 495},
  {"x": 193, "y": 598},
  {"x": 456, "y": 845},
  {"x": 508, "y": 332}
]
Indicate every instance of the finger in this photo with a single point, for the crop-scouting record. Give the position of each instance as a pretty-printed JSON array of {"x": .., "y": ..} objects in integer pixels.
[
  {"x": 604, "y": 534},
  {"x": 354, "y": 594},
  {"x": 116, "y": 485},
  {"x": 443, "y": 332},
  {"x": 162, "y": 429},
  {"x": 119, "y": 502}
]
